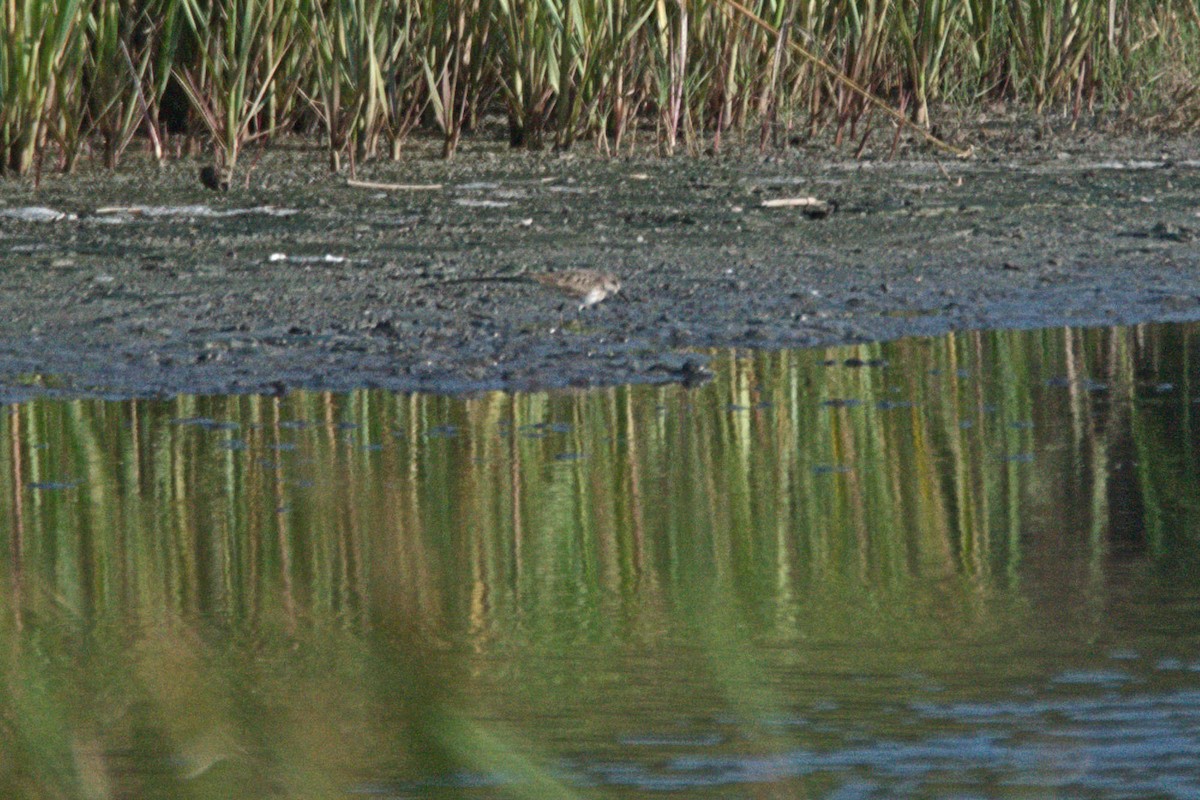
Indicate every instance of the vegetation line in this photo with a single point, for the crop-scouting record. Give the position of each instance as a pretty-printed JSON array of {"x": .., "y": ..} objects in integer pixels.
[{"x": 85, "y": 79}]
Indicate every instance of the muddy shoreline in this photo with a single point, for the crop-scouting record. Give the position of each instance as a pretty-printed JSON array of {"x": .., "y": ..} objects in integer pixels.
[{"x": 153, "y": 285}]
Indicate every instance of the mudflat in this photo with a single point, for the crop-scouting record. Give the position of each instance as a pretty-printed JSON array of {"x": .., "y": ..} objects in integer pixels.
[{"x": 143, "y": 282}]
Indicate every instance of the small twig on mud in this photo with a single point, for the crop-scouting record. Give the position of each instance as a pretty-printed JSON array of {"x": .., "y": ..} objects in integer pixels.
[
  {"x": 253, "y": 164},
  {"x": 393, "y": 187},
  {"x": 792, "y": 202},
  {"x": 953, "y": 181}
]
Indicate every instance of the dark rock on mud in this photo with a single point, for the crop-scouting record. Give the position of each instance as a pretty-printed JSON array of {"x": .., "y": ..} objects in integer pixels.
[{"x": 145, "y": 282}]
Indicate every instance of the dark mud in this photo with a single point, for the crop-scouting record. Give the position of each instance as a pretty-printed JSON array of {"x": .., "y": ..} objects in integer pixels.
[{"x": 353, "y": 289}]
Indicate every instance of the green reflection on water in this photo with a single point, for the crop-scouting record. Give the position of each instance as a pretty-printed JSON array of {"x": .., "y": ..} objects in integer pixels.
[{"x": 314, "y": 594}]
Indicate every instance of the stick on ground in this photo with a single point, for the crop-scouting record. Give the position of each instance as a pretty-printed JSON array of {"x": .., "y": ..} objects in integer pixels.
[{"x": 393, "y": 187}]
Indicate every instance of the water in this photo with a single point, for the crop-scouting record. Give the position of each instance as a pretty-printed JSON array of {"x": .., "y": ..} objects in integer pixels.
[{"x": 957, "y": 567}]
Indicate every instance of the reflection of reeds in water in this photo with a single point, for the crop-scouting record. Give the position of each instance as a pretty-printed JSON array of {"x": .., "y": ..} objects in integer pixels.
[
  {"x": 376, "y": 551},
  {"x": 315, "y": 501}
]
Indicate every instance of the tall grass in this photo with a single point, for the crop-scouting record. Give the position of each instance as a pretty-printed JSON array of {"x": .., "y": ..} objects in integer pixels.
[
  {"x": 83, "y": 76},
  {"x": 240, "y": 47},
  {"x": 41, "y": 48}
]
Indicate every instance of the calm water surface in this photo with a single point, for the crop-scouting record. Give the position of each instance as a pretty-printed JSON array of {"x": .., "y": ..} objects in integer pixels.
[{"x": 958, "y": 567}]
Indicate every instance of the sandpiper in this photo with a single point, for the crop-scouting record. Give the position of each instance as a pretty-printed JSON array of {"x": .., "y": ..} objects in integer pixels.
[{"x": 589, "y": 286}]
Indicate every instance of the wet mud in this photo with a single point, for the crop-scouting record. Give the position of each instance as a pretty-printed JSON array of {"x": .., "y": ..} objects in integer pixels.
[{"x": 144, "y": 282}]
